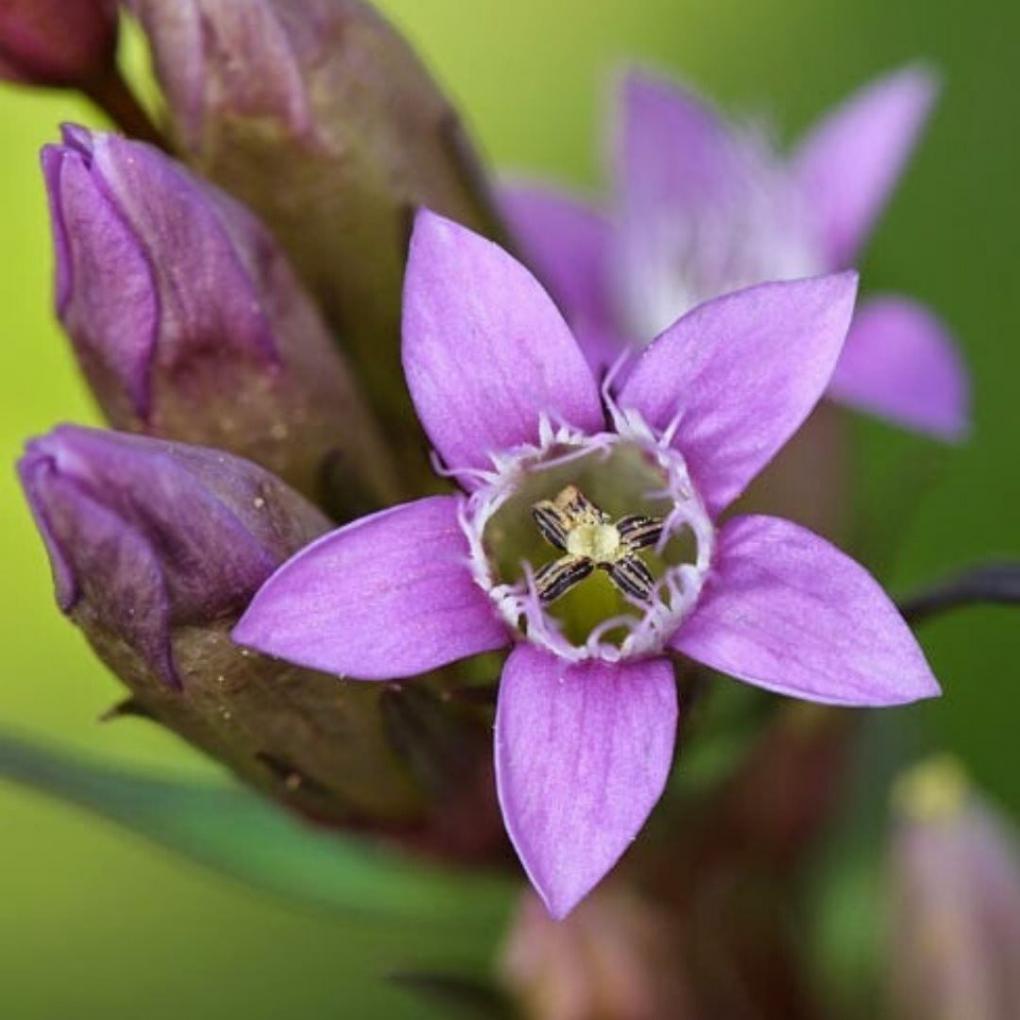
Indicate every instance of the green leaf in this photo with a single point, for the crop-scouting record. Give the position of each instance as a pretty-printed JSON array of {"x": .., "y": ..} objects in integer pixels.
[
  {"x": 457, "y": 995},
  {"x": 233, "y": 831}
]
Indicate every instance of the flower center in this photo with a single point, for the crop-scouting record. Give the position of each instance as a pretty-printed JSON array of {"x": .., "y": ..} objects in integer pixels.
[
  {"x": 599, "y": 542},
  {"x": 589, "y": 539},
  {"x": 590, "y": 546}
]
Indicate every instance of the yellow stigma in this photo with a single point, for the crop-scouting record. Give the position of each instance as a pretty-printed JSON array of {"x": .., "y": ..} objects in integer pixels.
[{"x": 599, "y": 542}]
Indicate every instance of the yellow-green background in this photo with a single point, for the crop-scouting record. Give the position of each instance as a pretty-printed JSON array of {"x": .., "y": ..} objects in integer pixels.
[{"x": 93, "y": 923}]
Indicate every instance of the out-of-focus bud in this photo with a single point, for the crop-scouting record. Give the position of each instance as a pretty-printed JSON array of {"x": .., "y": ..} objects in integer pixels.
[
  {"x": 156, "y": 549},
  {"x": 955, "y": 874},
  {"x": 57, "y": 42},
  {"x": 701, "y": 919},
  {"x": 322, "y": 119},
  {"x": 777, "y": 804},
  {"x": 614, "y": 958},
  {"x": 190, "y": 325}
]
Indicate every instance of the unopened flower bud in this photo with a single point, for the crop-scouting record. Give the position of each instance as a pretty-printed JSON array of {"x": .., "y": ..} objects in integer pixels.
[
  {"x": 189, "y": 323},
  {"x": 322, "y": 119},
  {"x": 57, "y": 42},
  {"x": 955, "y": 871},
  {"x": 614, "y": 957},
  {"x": 156, "y": 549}
]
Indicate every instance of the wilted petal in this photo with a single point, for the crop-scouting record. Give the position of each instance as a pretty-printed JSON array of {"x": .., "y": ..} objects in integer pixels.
[
  {"x": 742, "y": 372},
  {"x": 388, "y": 596},
  {"x": 568, "y": 245},
  {"x": 486, "y": 353},
  {"x": 787, "y": 611},
  {"x": 582, "y": 755},
  {"x": 900, "y": 362},
  {"x": 849, "y": 164}
]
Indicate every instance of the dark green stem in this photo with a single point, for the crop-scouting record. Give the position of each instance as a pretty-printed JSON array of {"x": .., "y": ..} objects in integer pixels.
[
  {"x": 990, "y": 584},
  {"x": 113, "y": 95}
]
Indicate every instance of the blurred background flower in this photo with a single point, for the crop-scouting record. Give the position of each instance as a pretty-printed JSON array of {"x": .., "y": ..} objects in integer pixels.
[
  {"x": 129, "y": 929},
  {"x": 954, "y": 913}
]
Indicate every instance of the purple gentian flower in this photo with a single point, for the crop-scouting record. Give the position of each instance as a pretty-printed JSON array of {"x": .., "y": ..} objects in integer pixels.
[
  {"x": 629, "y": 487},
  {"x": 704, "y": 208}
]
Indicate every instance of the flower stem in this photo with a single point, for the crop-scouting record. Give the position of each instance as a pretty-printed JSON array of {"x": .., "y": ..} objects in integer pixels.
[{"x": 989, "y": 584}]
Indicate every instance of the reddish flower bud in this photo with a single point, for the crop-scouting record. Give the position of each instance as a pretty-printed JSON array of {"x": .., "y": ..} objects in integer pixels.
[{"x": 57, "y": 42}]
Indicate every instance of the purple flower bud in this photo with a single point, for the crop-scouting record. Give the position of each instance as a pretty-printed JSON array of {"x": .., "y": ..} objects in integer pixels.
[
  {"x": 156, "y": 549},
  {"x": 188, "y": 321},
  {"x": 145, "y": 535},
  {"x": 617, "y": 955},
  {"x": 955, "y": 868},
  {"x": 57, "y": 42},
  {"x": 321, "y": 118}
]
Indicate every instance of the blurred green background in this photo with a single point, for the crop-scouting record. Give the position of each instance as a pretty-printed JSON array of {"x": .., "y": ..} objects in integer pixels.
[{"x": 94, "y": 923}]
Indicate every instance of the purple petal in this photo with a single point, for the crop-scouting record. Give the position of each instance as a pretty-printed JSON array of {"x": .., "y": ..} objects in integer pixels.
[
  {"x": 706, "y": 208},
  {"x": 388, "y": 596},
  {"x": 786, "y": 611},
  {"x": 850, "y": 162},
  {"x": 115, "y": 566},
  {"x": 174, "y": 213},
  {"x": 583, "y": 752},
  {"x": 743, "y": 372},
  {"x": 672, "y": 151},
  {"x": 568, "y": 245},
  {"x": 900, "y": 362},
  {"x": 486, "y": 352},
  {"x": 678, "y": 182},
  {"x": 105, "y": 282}
]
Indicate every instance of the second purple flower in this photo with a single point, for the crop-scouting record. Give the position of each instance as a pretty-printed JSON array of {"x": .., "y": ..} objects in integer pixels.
[{"x": 704, "y": 207}]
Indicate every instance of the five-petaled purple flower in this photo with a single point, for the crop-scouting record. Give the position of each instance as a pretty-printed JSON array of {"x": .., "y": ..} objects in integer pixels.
[
  {"x": 586, "y": 720},
  {"x": 704, "y": 208}
]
